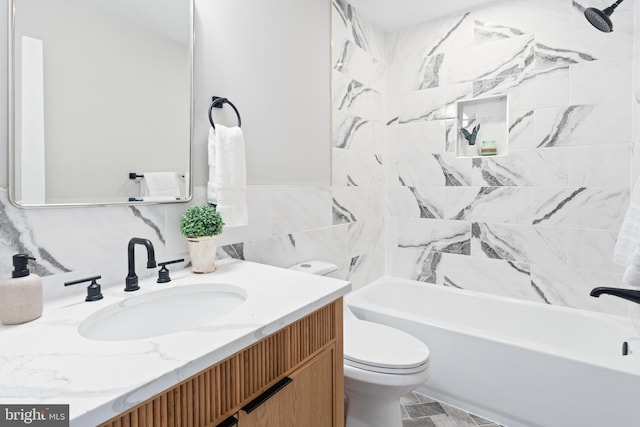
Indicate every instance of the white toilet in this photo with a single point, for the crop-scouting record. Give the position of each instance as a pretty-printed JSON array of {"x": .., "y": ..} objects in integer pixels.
[{"x": 381, "y": 364}]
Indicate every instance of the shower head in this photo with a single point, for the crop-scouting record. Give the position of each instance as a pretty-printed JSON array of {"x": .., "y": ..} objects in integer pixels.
[{"x": 600, "y": 18}]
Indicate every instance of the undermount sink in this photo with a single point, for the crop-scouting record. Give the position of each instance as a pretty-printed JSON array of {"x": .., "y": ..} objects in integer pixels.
[{"x": 162, "y": 312}]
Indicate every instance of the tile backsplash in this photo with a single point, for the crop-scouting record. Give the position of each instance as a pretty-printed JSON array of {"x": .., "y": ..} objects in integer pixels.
[{"x": 539, "y": 224}]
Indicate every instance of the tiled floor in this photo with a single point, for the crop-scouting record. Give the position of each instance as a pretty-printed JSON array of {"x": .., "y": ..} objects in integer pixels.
[{"x": 419, "y": 410}]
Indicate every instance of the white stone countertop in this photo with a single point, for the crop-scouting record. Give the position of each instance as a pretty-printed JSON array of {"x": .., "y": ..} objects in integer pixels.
[{"x": 47, "y": 361}]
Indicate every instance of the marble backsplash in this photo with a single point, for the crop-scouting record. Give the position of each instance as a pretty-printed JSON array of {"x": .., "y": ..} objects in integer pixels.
[{"x": 539, "y": 224}]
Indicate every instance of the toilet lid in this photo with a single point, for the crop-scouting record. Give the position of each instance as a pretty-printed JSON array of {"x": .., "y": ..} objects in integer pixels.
[{"x": 381, "y": 348}]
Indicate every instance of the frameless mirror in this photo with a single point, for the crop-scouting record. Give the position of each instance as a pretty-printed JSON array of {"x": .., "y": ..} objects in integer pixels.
[{"x": 100, "y": 96}]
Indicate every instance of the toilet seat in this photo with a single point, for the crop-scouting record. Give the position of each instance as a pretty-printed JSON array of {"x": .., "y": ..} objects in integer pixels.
[{"x": 380, "y": 348}]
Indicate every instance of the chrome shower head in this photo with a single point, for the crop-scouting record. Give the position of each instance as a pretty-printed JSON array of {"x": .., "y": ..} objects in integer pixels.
[{"x": 600, "y": 18}]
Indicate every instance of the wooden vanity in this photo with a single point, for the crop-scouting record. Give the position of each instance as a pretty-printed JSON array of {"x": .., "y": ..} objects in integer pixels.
[{"x": 291, "y": 378}]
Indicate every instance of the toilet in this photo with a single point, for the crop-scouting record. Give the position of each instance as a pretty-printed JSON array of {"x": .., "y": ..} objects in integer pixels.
[{"x": 381, "y": 364}]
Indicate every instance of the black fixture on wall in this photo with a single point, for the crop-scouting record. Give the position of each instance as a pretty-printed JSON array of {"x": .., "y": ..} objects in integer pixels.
[
  {"x": 218, "y": 102},
  {"x": 601, "y": 18}
]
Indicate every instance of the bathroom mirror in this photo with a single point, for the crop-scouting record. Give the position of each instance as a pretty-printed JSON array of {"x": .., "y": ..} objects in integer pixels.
[{"x": 100, "y": 94}]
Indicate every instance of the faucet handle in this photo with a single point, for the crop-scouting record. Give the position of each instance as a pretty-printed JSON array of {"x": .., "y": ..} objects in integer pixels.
[
  {"x": 93, "y": 290},
  {"x": 163, "y": 273}
]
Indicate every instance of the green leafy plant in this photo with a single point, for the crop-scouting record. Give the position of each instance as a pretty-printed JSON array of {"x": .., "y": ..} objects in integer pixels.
[
  {"x": 201, "y": 221},
  {"x": 470, "y": 136}
]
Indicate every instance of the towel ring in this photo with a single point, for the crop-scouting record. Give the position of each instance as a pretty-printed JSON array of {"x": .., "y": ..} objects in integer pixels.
[{"x": 218, "y": 102}]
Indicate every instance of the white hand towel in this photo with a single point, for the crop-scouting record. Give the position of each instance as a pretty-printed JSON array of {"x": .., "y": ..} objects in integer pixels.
[
  {"x": 227, "y": 174},
  {"x": 627, "y": 250},
  {"x": 160, "y": 184}
]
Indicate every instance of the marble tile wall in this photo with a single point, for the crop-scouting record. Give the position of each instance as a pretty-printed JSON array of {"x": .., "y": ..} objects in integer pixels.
[
  {"x": 342, "y": 223},
  {"x": 541, "y": 223}
]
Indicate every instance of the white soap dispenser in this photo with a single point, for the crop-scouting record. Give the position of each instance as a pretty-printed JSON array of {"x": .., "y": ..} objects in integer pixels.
[{"x": 20, "y": 296}]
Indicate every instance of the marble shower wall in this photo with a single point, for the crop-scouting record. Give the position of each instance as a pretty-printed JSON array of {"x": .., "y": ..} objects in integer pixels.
[
  {"x": 342, "y": 223},
  {"x": 539, "y": 224}
]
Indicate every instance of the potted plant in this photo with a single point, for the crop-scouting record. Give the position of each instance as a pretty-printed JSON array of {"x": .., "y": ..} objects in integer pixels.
[{"x": 201, "y": 225}]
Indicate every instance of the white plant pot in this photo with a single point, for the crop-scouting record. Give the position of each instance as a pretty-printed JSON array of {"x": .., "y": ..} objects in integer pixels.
[{"x": 203, "y": 253}]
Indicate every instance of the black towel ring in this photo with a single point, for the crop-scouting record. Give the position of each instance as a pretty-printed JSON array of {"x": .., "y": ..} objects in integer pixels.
[{"x": 218, "y": 102}]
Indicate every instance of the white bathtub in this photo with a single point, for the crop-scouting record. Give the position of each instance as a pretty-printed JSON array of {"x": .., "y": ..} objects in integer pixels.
[{"x": 515, "y": 362}]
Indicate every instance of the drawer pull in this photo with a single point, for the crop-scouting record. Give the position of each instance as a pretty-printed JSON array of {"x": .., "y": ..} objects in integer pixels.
[
  {"x": 269, "y": 393},
  {"x": 229, "y": 422}
]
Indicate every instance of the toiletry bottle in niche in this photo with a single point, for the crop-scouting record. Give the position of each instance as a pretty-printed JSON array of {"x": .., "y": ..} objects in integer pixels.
[{"x": 20, "y": 296}]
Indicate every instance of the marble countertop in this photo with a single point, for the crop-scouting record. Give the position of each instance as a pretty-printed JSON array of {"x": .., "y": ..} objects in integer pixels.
[{"x": 46, "y": 361}]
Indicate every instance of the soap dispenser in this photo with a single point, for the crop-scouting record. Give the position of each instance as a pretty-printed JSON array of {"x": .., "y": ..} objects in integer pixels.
[{"x": 20, "y": 296}]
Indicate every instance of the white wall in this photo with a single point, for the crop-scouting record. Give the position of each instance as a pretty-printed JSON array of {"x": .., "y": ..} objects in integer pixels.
[{"x": 275, "y": 68}]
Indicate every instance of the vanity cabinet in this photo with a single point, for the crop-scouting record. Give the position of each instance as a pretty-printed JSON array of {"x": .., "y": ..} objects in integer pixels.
[
  {"x": 306, "y": 401},
  {"x": 304, "y": 361}
]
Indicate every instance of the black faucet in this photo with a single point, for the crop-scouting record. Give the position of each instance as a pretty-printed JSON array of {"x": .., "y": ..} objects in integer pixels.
[
  {"x": 131, "y": 282},
  {"x": 628, "y": 294}
]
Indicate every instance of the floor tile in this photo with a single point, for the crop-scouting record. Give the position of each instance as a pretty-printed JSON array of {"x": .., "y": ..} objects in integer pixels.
[
  {"x": 419, "y": 410},
  {"x": 443, "y": 420},
  {"x": 418, "y": 422},
  {"x": 461, "y": 418},
  {"x": 424, "y": 409}
]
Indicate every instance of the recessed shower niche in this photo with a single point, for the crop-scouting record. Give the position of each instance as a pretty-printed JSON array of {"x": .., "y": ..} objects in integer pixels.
[{"x": 482, "y": 128}]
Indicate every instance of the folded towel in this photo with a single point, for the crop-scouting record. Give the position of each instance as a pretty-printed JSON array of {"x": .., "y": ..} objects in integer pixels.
[
  {"x": 160, "y": 184},
  {"x": 627, "y": 250},
  {"x": 227, "y": 174}
]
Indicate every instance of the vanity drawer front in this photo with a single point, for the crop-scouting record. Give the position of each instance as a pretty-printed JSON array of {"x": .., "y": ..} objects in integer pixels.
[{"x": 221, "y": 390}]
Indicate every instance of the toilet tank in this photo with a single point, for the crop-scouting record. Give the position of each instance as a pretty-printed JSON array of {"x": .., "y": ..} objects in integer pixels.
[{"x": 320, "y": 268}]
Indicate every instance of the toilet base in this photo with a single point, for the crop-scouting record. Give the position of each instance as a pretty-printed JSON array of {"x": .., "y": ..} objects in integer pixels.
[{"x": 366, "y": 411}]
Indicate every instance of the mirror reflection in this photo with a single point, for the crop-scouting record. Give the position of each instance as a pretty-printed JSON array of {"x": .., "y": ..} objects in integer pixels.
[{"x": 101, "y": 110}]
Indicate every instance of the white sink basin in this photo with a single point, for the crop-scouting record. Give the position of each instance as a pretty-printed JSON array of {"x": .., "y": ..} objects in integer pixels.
[{"x": 162, "y": 312}]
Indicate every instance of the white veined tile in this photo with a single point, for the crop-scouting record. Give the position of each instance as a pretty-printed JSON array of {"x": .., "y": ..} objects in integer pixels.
[
  {"x": 358, "y": 134},
  {"x": 361, "y": 32},
  {"x": 365, "y": 236},
  {"x": 433, "y": 104},
  {"x": 540, "y": 89},
  {"x": 340, "y": 23},
  {"x": 445, "y": 202},
  {"x": 587, "y": 124},
  {"x": 326, "y": 244},
  {"x": 498, "y": 20},
  {"x": 496, "y": 277},
  {"x": 599, "y": 208},
  {"x": 432, "y": 37},
  {"x": 401, "y": 202},
  {"x": 521, "y": 134},
  {"x": 523, "y": 243},
  {"x": 356, "y": 204},
  {"x": 590, "y": 249},
  {"x": 300, "y": 208},
  {"x": 435, "y": 235},
  {"x": 485, "y": 61},
  {"x": 417, "y": 71},
  {"x": 600, "y": 165},
  {"x": 428, "y": 169},
  {"x": 357, "y": 64},
  {"x": 570, "y": 287},
  {"x": 512, "y": 205},
  {"x": 351, "y": 168},
  {"x": 418, "y": 137},
  {"x": 600, "y": 81},
  {"x": 572, "y": 45},
  {"x": 353, "y": 97},
  {"x": 279, "y": 251},
  {"x": 530, "y": 167}
]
